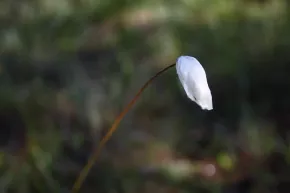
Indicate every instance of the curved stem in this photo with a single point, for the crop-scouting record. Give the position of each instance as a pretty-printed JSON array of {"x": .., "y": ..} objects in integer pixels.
[{"x": 94, "y": 156}]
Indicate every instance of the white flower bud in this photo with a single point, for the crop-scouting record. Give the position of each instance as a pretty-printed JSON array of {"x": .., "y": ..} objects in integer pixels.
[{"x": 193, "y": 79}]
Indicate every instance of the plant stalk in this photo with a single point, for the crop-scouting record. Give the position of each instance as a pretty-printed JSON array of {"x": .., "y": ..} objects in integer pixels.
[{"x": 85, "y": 171}]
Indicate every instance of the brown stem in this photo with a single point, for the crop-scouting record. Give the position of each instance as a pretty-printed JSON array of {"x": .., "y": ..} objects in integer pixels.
[{"x": 94, "y": 156}]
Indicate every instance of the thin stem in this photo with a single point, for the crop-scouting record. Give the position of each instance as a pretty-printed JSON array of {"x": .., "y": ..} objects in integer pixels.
[{"x": 94, "y": 156}]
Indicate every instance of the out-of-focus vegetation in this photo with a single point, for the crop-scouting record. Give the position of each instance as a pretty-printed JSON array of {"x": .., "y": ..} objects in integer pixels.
[{"x": 68, "y": 67}]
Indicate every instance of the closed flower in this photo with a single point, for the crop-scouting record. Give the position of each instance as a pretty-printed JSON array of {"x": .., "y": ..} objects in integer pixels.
[{"x": 194, "y": 81}]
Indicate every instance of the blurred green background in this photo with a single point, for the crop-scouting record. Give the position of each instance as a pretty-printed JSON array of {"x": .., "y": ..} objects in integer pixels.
[{"x": 68, "y": 67}]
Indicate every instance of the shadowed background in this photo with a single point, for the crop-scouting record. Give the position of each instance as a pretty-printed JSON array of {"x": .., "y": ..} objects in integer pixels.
[{"x": 68, "y": 67}]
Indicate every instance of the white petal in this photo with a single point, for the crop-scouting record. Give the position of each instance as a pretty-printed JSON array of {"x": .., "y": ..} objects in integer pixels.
[{"x": 194, "y": 81}]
